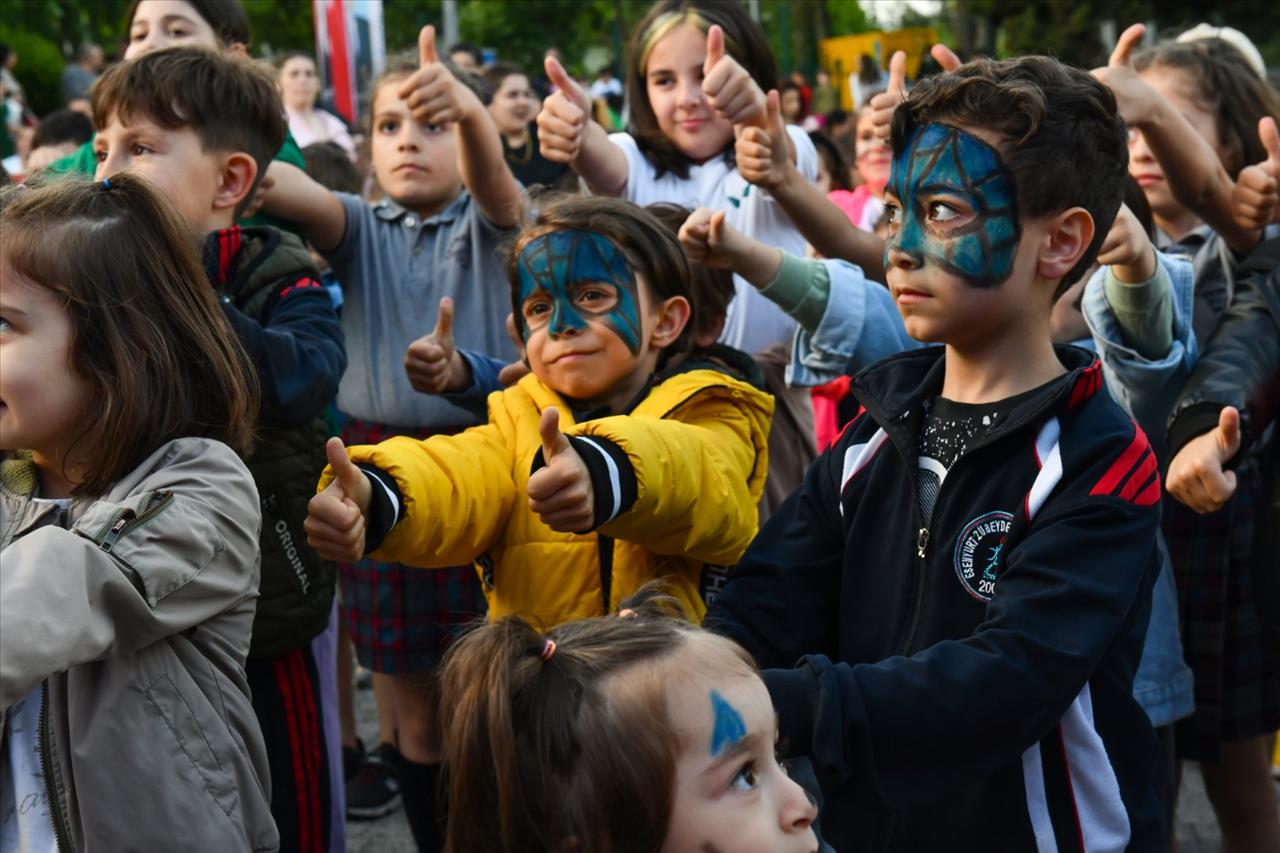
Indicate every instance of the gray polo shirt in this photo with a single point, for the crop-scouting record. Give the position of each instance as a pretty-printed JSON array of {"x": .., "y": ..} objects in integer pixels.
[{"x": 395, "y": 267}]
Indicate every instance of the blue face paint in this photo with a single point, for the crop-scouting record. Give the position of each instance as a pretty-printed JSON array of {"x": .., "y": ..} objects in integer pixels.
[
  {"x": 938, "y": 161},
  {"x": 561, "y": 265},
  {"x": 728, "y": 727}
]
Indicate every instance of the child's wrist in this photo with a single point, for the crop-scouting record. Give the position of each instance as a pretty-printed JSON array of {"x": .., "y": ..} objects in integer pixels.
[{"x": 460, "y": 378}]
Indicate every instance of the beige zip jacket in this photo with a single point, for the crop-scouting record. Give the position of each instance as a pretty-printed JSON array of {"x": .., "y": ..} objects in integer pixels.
[{"x": 137, "y": 621}]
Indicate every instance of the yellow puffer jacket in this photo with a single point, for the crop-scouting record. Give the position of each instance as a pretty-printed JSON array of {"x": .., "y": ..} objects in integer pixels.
[{"x": 697, "y": 443}]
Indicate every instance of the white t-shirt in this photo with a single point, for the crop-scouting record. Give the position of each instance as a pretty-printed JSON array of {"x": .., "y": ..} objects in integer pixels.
[{"x": 754, "y": 323}]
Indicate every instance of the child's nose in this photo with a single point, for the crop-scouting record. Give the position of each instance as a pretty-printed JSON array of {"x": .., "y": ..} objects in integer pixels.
[
  {"x": 690, "y": 92},
  {"x": 797, "y": 810}
]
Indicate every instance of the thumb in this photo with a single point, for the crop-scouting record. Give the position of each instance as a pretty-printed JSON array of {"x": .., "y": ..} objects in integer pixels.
[
  {"x": 898, "y": 73},
  {"x": 444, "y": 321},
  {"x": 1270, "y": 138},
  {"x": 553, "y": 440},
  {"x": 945, "y": 56},
  {"x": 1125, "y": 44},
  {"x": 716, "y": 232},
  {"x": 773, "y": 114},
  {"x": 715, "y": 48},
  {"x": 561, "y": 79},
  {"x": 344, "y": 470},
  {"x": 427, "y": 46},
  {"x": 1229, "y": 432}
]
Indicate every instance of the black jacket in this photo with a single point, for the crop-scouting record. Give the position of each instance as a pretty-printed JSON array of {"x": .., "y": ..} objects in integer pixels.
[
  {"x": 271, "y": 293},
  {"x": 967, "y": 683},
  {"x": 1240, "y": 367}
]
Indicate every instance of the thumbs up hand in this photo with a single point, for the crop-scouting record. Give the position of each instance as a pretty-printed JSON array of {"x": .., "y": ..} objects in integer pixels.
[
  {"x": 1255, "y": 200},
  {"x": 565, "y": 114},
  {"x": 335, "y": 522},
  {"x": 432, "y": 362},
  {"x": 434, "y": 96},
  {"x": 728, "y": 88},
  {"x": 1136, "y": 100},
  {"x": 708, "y": 240},
  {"x": 561, "y": 492},
  {"x": 883, "y": 104},
  {"x": 763, "y": 153},
  {"x": 1196, "y": 476}
]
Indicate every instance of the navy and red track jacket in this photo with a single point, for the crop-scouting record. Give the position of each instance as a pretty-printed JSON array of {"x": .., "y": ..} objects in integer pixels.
[{"x": 965, "y": 683}]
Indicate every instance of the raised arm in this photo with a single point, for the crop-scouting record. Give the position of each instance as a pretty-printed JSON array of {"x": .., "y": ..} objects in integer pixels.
[
  {"x": 765, "y": 159},
  {"x": 293, "y": 195},
  {"x": 567, "y": 134},
  {"x": 1193, "y": 169},
  {"x": 434, "y": 96}
]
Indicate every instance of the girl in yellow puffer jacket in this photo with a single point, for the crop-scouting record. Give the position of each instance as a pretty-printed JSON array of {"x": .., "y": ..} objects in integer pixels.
[{"x": 596, "y": 473}]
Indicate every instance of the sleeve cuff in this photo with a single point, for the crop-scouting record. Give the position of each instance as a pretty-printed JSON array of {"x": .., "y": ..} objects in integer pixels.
[
  {"x": 795, "y": 697},
  {"x": 1192, "y": 422},
  {"x": 385, "y": 506},
  {"x": 801, "y": 288},
  {"x": 613, "y": 478}
]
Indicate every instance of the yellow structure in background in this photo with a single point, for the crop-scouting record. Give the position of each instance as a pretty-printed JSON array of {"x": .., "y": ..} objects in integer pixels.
[{"x": 839, "y": 55}]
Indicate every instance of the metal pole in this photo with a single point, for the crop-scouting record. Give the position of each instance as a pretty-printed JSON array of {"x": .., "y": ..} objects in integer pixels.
[{"x": 450, "y": 9}]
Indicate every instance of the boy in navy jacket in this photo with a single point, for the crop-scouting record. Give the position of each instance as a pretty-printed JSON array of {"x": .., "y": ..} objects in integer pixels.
[{"x": 965, "y": 576}]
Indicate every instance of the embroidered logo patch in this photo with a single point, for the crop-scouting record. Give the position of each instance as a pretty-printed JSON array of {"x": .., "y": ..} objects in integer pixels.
[{"x": 980, "y": 553}]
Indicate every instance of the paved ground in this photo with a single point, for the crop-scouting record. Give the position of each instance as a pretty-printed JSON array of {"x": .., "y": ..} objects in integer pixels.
[{"x": 1197, "y": 829}]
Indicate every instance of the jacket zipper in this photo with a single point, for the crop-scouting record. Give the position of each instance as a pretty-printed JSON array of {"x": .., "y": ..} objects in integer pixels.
[
  {"x": 922, "y": 550},
  {"x": 60, "y": 832},
  {"x": 127, "y": 519}
]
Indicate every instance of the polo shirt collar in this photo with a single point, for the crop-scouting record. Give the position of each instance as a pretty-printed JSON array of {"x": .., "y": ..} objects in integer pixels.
[{"x": 388, "y": 211}]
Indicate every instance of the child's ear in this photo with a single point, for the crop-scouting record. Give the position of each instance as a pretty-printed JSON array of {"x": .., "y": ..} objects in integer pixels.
[
  {"x": 673, "y": 315},
  {"x": 1068, "y": 237},
  {"x": 238, "y": 173}
]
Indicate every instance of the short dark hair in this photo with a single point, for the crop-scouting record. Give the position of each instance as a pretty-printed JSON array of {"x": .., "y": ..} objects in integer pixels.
[
  {"x": 743, "y": 40},
  {"x": 227, "y": 18},
  {"x": 329, "y": 166},
  {"x": 1228, "y": 86},
  {"x": 123, "y": 264},
  {"x": 231, "y": 102},
  {"x": 833, "y": 158},
  {"x": 1062, "y": 137},
  {"x": 62, "y": 126},
  {"x": 712, "y": 288},
  {"x": 650, "y": 248},
  {"x": 467, "y": 48},
  {"x": 499, "y": 71}
]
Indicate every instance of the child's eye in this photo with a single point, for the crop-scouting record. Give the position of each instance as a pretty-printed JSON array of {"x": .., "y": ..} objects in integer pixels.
[
  {"x": 536, "y": 309},
  {"x": 4, "y": 325},
  {"x": 942, "y": 212},
  {"x": 435, "y": 129},
  {"x": 745, "y": 778},
  {"x": 139, "y": 150},
  {"x": 178, "y": 32},
  {"x": 100, "y": 156},
  {"x": 388, "y": 126},
  {"x": 893, "y": 213}
]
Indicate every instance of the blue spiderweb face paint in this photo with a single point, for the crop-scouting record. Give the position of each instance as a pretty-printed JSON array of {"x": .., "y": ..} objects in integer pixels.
[
  {"x": 728, "y": 727},
  {"x": 938, "y": 162},
  {"x": 563, "y": 266}
]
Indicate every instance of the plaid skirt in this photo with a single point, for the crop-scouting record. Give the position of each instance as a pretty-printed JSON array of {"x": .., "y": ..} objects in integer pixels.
[
  {"x": 402, "y": 618},
  {"x": 1235, "y": 663}
]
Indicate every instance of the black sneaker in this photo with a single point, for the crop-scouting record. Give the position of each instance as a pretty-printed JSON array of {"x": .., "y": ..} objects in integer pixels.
[
  {"x": 352, "y": 760},
  {"x": 374, "y": 790}
]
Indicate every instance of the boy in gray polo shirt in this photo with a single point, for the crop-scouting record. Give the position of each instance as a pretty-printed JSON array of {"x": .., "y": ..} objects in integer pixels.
[{"x": 450, "y": 202}]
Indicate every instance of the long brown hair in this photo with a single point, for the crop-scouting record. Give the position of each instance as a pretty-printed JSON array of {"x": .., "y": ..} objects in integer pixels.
[
  {"x": 150, "y": 338},
  {"x": 744, "y": 40},
  {"x": 1228, "y": 87},
  {"x": 570, "y": 749}
]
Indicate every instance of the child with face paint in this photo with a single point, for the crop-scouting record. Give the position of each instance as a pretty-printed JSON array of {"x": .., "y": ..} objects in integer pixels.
[
  {"x": 635, "y": 733},
  {"x": 604, "y": 469},
  {"x": 697, "y": 69},
  {"x": 966, "y": 575},
  {"x": 450, "y": 202}
]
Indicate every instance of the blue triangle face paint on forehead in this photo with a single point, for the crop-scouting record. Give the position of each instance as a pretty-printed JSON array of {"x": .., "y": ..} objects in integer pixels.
[
  {"x": 940, "y": 160},
  {"x": 560, "y": 263}
]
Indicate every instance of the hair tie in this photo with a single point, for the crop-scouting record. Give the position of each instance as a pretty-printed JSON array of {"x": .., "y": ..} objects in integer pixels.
[
  {"x": 548, "y": 649},
  {"x": 626, "y": 613},
  {"x": 106, "y": 183}
]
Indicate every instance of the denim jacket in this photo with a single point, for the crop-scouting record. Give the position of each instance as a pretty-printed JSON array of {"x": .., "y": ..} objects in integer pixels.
[{"x": 1147, "y": 390}]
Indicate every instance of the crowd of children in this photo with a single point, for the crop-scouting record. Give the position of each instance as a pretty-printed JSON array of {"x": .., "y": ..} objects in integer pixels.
[{"x": 707, "y": 485}]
